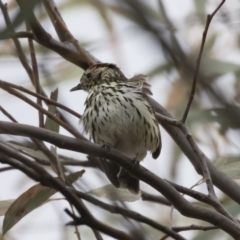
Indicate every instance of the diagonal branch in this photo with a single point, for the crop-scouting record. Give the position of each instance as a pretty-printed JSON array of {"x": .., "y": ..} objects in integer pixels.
[
  {"x": 181, "y": 204},
  {"x": 38, "y": 173},
  {"x": 38, "y": 107},
  {"x": 62, "y": 31},
  {"x": 127, "y": 213},
  {"x": 47, "y": 100}
]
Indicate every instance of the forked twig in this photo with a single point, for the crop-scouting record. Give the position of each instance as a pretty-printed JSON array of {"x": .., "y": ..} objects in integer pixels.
[
  {"x": 198, "y": 61},
  {"x": 191, "y": 227}
]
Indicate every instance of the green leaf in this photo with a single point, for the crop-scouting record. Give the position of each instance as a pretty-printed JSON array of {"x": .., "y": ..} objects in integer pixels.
[
  {"x": 210, "y": 42},
  {"x": 230, "y": 165},
  {"x": 30, "y": 151},
  {"x": 132, "y": 16},
  {"x": 58, "y": 163},
  {"x": 4, "y": 205},
  {"x": 200, "y": 5},
  {"x": 50, "y": 124},
  {"x": 115, "y": 194},
  {"x": 30, "y": 200},
  {"x": 232, "y": 170},
  {"x": 167, "y": 67},
  {"x": 228, "y": 117},
  {"x": 214, "y": 66},
  {"x": 200, "y": 11}
]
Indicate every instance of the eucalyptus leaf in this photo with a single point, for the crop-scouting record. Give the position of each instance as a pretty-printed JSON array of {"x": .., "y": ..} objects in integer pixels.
[
  {"x": 59, "y": 164},
  {"x": 30, "y": 200},
  {"x": 228, "y": 117},
  {"x": 30, "y": 151},
  {"x": 214, "y": 66},
  {"x": 229, "y": 165},
  {"x": 114, "y": 194},
  {"x": 50, "y": 124}
]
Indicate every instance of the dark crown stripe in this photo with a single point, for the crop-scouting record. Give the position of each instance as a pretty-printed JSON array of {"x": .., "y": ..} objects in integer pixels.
[{"x": 109, "y": 65}]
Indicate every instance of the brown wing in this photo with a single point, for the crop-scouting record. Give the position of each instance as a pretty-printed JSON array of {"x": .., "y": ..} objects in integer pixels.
[{"x": 141, "y": 81}]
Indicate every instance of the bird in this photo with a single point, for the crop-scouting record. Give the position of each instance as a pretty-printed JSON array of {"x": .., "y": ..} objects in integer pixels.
[{"x": 118, "y": 114}]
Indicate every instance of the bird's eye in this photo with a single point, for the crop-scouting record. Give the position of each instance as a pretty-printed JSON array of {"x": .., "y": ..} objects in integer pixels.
[{"x": 88, "y": 75}]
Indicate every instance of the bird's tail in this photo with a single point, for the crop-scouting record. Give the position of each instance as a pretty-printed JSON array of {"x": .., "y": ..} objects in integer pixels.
[{"x": 129, "y": 182}]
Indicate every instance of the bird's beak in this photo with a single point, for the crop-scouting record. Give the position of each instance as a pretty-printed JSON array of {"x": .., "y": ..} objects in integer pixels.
[{"x": 78, "y": 87}]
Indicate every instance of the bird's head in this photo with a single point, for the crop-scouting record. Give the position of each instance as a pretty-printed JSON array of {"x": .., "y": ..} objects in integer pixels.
[{"x": 98, "y": 74}]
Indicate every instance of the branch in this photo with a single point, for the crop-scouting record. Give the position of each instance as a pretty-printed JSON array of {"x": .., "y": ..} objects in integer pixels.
[
  {"x": 203, "y": 198},
  {"x": 222, "y": 181},
  {"x": 63, "y": 32},
  {"x": 65, "y": 50},
  {"x": 4, "y": 169},
  {"x": 19, "y": 49},
  {"x": 38, "y": 144},
  {"x": 185, "y": 208},
  {"x": 38, "y": 173},
  {"x": 128, "y": 213},
  {"x": 47, "y": 100},
  {"x": 188, "y": 228},
  {"x": 23, "y": 58},
  {"x": 38, "y": 107},
  {"x": 200, "y": 155},
  {"x": 155, "y": 198}
]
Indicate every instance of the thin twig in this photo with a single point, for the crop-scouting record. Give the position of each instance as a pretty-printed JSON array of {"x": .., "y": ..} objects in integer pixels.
[
  {"x": 65, "y": 160},
  {"x": 40, "y": 33},
  {"x": 126, "y": 213},
  {"x": 65, "y": 35},
  {"x": 198, "y": 61},
  {"x": 221, "y": 180},
  {"x": 203, "y": 162},
  {"x": 154, "y": 198},
  {"x": 204, "y": 198},
  {"x": 4, "y": 169},
  {"x": 19, "y": 49},
  {"x": 189, "y": 228},
  {"x": 200, "y": 155},
  {"x": 48, "y": 100},
  {"x": 7, "y": 114},
  {"x": 40, "y": 145},
  {"x": 76, "y": 228},
  {"x": 97, "y": 234},
  {"x": 33, "y": 104},
  {"x": 35, "y": 78}
]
